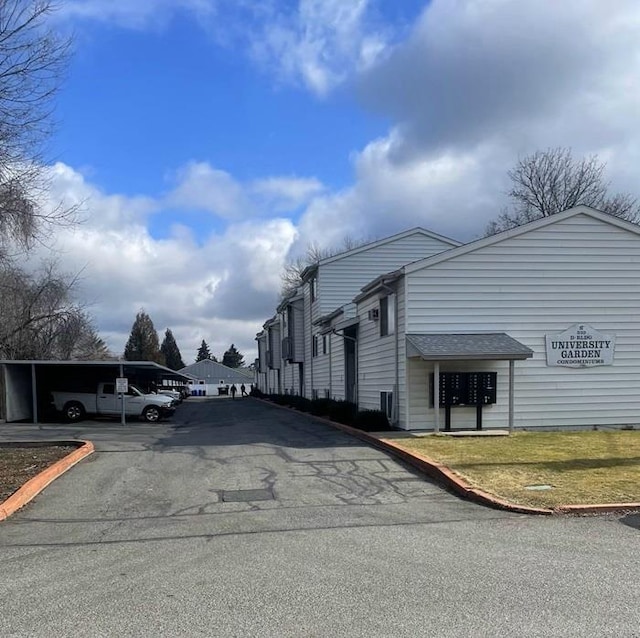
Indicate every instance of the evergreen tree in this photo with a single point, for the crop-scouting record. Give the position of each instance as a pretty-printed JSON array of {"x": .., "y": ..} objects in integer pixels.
[
  {"x": 203, "y": 352},
  {"x": 232, "y": 358},
  {"x": 143, "y": 343},
  {"x": 171, "y": 352}
]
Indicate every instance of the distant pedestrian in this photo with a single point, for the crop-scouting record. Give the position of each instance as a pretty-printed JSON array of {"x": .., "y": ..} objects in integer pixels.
[
  {"x": 233, "y": 391},
  {"x": 243, "y": 391}
]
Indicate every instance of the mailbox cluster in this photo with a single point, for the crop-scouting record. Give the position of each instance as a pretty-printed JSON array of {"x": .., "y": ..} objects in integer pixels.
[{"x": 466, "y": 388}]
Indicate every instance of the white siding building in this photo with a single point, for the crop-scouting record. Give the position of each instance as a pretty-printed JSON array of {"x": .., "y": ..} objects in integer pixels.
[
  {"x": 552, "y": 308},
  {"x": 329, "y": 363},
  {"x": 310, "y": 360}
]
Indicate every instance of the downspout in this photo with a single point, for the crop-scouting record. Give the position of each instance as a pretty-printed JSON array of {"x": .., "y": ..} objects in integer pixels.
[
  {"x": 330, "y": 367},
  {"x": 34, "y": 394}
]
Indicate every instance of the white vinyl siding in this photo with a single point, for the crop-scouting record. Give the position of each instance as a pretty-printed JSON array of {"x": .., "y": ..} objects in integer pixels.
[
  {"x": 275, "y": 345},
  {"x": 376, "y": 358},
  {"x": 400, "y": 396},
  {"x": 341, "y": 280},
  {"x": 321, "y": 370},
  {"x": 578, "y": 269},
  {"x": 297, "y": 330}
]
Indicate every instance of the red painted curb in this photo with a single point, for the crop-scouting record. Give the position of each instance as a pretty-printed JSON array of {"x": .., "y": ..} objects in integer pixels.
[
  {"x": 442, "y": 474},
  {"x": 34, "y": 486}
]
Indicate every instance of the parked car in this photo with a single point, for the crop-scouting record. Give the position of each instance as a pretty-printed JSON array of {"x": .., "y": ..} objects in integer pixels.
[
  {"x": 175, "y": 396},
  {"x": 105, "y": 401}
]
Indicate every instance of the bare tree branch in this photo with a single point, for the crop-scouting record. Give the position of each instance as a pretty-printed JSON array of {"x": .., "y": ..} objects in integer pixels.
[
  {"x": 33, "y": 61},
  {"x": 291, "y": 276},
  {"x": 548, "y": 182},
  {"x": 40, "y": 319}
]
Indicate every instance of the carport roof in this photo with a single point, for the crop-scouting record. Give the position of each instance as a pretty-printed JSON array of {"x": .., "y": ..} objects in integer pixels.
[
  {"x": 151, "y": 365},
  {"x": 464, "y": 347}
]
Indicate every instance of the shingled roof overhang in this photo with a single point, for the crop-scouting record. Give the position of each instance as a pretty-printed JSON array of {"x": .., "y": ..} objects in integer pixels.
[{"x": 465, "y": 347}]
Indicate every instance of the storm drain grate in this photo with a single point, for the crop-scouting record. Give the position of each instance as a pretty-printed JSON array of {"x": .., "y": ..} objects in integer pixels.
[{"x": 244, "y": 496}]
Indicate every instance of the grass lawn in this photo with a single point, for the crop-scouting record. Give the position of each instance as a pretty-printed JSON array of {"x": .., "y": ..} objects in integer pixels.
[{"x": 583, "y": 467}]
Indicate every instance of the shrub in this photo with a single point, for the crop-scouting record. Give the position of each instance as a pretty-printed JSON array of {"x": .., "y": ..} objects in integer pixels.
[
  {"x": 343, "y": 412},
  {"x": 371, "y": 421},
  {"x": 300, "y": 403},
  {"x": 320, "y": 407}
]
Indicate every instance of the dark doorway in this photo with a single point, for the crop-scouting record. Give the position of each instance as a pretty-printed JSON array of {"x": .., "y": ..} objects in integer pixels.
[{"x": 350, "y": 369}]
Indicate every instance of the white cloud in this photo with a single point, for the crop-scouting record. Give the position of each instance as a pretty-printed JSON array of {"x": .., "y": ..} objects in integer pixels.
[
  {"x": 321, "y": 44},
  {"x": 219, "y": 288},
  {"x": 476, "y": 85},
  {"x": 203, "y": 187},
  {"x": 286, "y": 193},
  {"x": 133, "y": 14},
  {"x": 318, "y": 44}
]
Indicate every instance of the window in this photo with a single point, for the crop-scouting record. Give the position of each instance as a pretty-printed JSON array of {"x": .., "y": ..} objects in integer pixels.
[
  {"x": 386, "y": 403},
  {"x": 387, "y": 315},
  {"x": 313, "y": 287},
  {"x": 314, "y": 346},
  {"x": 324, "y": 344}
]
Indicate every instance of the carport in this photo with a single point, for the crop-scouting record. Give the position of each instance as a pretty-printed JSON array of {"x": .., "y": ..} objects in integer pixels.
[{"x": 25, "y": 386}]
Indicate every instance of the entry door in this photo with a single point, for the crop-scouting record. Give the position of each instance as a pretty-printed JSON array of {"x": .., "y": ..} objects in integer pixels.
[
  {"x": 301, "y": 379},
  {"x": 350, "y": 367}
]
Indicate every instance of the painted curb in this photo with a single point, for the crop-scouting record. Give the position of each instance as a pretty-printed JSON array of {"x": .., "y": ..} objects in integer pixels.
[
  {"x": 445, "y": 476},
  {"x": 35, "y": 485}
]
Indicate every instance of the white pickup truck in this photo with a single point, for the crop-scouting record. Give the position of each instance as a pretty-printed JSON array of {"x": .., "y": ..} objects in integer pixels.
[{"x": 76, "y": 405}]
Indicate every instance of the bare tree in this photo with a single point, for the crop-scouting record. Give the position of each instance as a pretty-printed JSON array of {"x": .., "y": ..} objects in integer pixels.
[
  {"x": 548, "y": 182},
  {"x": 39, "y": 318},
  {"x": 33, "y": 60}
]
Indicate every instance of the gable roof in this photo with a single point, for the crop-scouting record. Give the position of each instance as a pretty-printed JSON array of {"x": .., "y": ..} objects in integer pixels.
[
  {"x": 520, "y": 230},
  {"x": 208, "y": 369},
  {"x": 310, "y": 270}
]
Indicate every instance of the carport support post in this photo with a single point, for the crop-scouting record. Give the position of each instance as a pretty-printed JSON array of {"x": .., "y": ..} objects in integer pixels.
[
  {"x": 122, "y": 419},
  {"x": 436, "y": 395},
  {"x": 34, "y": 395},
  {"x": 511, "y": 379}
]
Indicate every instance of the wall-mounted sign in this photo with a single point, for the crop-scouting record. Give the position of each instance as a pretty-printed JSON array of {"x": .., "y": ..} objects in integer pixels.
[{"x": 580, "y": 346}]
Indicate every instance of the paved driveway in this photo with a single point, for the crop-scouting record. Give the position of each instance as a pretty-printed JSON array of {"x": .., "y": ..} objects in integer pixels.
[{"x": 241, "y": 519}]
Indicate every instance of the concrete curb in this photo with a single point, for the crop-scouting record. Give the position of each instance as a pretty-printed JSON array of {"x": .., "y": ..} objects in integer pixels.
[
  {"x": 443, "y": 475},
  {"x": 34, "y": 486}
]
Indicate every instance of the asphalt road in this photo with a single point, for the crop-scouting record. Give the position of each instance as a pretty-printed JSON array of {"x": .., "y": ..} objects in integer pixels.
[{"x": 241, "y": 519}]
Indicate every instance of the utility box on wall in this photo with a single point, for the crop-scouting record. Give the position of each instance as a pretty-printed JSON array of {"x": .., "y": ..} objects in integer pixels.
[{"x": 466, "y": 388}]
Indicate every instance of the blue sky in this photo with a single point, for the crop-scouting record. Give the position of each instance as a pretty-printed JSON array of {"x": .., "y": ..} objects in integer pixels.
[{"x": 211, "y": 141}]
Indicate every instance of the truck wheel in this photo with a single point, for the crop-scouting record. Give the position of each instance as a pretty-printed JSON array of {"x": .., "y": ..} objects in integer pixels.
[
  {"x": 74, "y": 411},
  {"x": 151, "y": 414}
]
